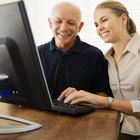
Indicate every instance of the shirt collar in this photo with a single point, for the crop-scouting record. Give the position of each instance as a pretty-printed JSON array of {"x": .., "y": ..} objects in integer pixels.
[
  {"x": 133, "y": 46},
  {"x": 52, "y": 44},
  {"x": 108, "y": 54},
  {"x": 75, "y": 49}
]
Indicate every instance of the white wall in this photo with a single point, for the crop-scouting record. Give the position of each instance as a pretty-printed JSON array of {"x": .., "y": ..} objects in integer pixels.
[{"x": 39, "y": 10}]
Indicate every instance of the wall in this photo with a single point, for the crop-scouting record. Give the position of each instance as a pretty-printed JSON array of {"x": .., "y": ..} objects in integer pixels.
[{"x": 39, "y": 10}]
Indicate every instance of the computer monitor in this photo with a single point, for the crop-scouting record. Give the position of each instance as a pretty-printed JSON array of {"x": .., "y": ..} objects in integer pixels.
[
  {"x": 19, "y": 59},
  {"x": 21, "y": 66}
]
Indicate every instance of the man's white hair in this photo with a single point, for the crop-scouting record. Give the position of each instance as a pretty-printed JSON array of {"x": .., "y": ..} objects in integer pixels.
[{"x": 74, "y": 6}]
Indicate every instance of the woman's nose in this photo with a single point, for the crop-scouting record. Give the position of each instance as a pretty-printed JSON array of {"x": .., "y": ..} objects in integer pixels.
[{"x": 100, "y": 27}]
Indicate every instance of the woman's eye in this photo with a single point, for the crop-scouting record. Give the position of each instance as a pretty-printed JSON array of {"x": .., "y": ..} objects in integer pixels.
[{"x": 96, "y": 25}]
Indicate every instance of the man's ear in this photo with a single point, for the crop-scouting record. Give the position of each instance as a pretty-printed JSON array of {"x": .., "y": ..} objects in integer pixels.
[
  {"x": 80, "y": 26},
  {"x": 50, "y": 23}
]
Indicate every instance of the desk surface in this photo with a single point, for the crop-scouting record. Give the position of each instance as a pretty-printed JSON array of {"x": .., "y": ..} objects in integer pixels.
[{"x": 99, "y": 125}]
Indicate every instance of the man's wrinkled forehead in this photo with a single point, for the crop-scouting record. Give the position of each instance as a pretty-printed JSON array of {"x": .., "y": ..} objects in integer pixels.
[{"x": 66, "y": 10}]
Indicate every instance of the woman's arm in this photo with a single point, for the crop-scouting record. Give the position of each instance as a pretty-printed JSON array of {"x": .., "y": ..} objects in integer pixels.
[{"x": 100, "y": 102}]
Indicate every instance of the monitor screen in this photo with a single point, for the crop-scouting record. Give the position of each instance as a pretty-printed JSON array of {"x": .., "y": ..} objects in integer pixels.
[{"x": 19, "y": 59}]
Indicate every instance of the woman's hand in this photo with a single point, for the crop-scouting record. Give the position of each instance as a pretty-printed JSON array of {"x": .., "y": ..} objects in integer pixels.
[
  {"x": 80, "y": 96},
  {"x": 66, "y": 93},
  {"x": 87, "y": 98},
  {"x": 72, "y": 96}
]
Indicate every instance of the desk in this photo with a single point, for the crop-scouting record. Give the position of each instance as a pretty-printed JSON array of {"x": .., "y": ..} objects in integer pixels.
[{"x": 99, "y": 125}]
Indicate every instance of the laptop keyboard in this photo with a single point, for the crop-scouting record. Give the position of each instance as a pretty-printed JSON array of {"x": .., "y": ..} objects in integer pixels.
[{"x": 76, "y": 109}]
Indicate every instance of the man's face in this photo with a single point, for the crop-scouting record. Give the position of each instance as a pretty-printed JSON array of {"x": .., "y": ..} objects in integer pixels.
[{"x": 65, "y": 24}]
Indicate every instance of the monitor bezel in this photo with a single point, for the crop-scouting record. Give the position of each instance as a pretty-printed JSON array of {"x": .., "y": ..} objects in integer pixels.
[{"x": 38, "y": 95}]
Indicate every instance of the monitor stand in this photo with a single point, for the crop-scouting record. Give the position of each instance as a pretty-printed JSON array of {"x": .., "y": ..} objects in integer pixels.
[{"x": 9, "y": 129}]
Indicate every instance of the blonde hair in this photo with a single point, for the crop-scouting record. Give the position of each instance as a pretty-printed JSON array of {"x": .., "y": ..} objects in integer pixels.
[{"x": 119, "y": 9}]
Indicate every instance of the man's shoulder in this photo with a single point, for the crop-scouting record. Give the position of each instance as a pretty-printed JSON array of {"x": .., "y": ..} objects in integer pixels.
[{"x": 43, "y": 46}]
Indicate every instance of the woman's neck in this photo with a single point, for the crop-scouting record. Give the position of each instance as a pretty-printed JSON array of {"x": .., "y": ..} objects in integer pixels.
[{"x": 119, "y": 48}]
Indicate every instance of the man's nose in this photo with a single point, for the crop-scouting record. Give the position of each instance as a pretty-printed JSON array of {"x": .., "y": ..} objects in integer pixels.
[{"x": 63, "y": 26}]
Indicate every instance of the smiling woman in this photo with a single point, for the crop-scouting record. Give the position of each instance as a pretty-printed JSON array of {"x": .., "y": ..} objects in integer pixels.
[{"x": 39, "y": 11}]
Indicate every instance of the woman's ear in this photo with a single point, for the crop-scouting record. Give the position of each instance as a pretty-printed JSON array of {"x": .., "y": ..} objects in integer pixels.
[{"x": 124, "y": 19}]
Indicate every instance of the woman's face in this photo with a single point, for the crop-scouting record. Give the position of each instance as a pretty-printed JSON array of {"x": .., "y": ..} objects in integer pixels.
[{"x": 108, "y": 25}]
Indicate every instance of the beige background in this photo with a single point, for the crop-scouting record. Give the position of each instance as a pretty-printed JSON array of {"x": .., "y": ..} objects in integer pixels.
[{"x": 38, "y": 12}]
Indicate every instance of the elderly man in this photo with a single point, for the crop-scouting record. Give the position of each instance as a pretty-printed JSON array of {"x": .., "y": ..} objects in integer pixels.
[{"x": 69, "y": 62}]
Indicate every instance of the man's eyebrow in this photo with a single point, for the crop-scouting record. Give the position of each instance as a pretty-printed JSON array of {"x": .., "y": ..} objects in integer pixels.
[{"x": 71, "y": 20}]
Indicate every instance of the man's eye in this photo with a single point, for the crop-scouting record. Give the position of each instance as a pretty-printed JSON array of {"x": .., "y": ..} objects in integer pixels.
[
  {"x": 103, "y": 20},
  {"x": 58, "y": 21},
  {"x": 71, "y": 23}
]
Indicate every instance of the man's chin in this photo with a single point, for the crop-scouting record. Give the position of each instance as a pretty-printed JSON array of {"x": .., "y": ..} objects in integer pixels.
[{"x": 64, "y": 41}]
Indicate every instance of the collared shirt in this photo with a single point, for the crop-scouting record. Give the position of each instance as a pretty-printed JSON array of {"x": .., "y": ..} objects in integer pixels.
[
  {"x": 83, "y": 67},
  {"x": 125, "y": 82}
]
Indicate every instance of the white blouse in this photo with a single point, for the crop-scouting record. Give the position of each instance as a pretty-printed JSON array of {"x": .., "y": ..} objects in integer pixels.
[{"x": 125, "y": 82}]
